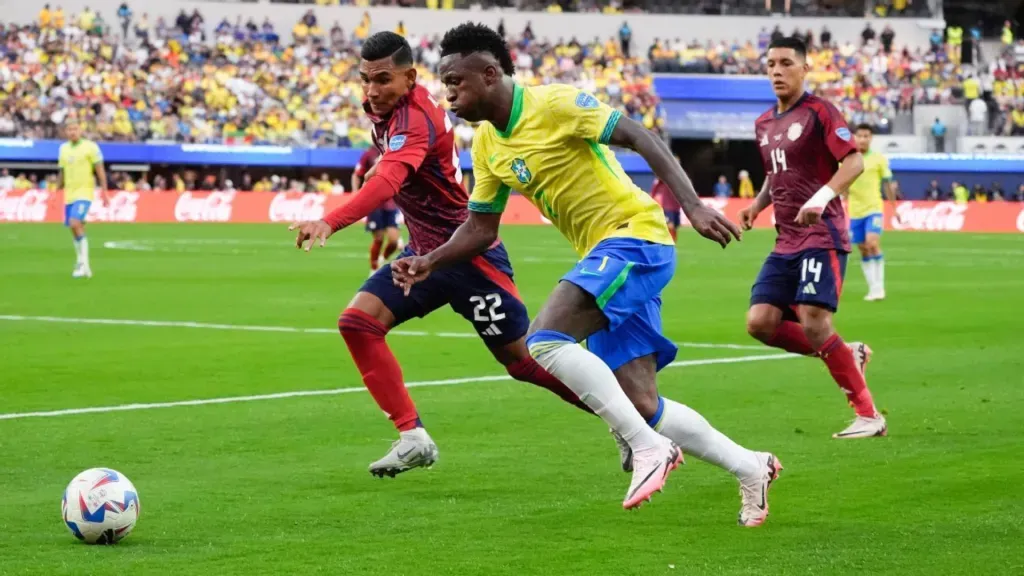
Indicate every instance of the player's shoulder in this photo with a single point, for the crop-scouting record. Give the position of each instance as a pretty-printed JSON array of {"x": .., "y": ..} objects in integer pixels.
[
  {"x": 564, "y": 95},
  {"x": 818, "y": 105},
  {"x": 766, "y": 116},
  {"x": 415, "y": 110}
]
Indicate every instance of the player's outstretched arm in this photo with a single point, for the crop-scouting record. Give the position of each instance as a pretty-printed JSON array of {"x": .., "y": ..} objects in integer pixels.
[
  {"x": 380, "y": 186},
  {"x": 473, "y": 237},
  {"x": 707, "y": 222},
  {"x": 749, "y": 214},
  {"x": 849, "y": 170}
]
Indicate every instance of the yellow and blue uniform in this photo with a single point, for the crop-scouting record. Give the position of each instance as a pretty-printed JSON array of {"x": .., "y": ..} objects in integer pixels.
[
  {"x": 865, "y": 197},
  {"x": 77, "y": 162},
  {"x": 555, "y": 152}
]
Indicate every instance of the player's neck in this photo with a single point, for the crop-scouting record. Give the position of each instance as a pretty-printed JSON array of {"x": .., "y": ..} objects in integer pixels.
[
  {"x": 784, "y": 105},
  {"x": 500, "y": 114}
]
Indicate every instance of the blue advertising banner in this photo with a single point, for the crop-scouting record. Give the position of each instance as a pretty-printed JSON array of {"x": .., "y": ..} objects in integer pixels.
[
  {"x": 718, "y": 88},
  {"x": 16, "y": 150},
  {"x": 707, "y": 120}
]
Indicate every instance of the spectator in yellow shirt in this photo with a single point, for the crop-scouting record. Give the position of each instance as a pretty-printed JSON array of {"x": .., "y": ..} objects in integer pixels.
[
  {"x": 45, "y": 17},
  {"x": 746, "y": 185}
]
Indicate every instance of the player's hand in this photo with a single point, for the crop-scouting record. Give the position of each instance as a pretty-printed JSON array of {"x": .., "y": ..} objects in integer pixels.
[
  {"x": 808, "y": 216},
  {"x": 747, "y": 217},
  {"x": 311, "y": 231},
  {"x": 713, "y": 226},
  {"x": 408, "y": 271}
]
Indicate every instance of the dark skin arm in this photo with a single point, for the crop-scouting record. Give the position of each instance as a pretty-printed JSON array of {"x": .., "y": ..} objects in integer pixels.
[
  {"x": 473, "y": 237},
  {"x": 481, "y": 230},
  {"x": 707, "y": 222}
]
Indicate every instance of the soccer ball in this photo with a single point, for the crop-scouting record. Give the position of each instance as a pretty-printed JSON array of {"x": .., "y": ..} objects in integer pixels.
[{"x": 100, "y": 506}]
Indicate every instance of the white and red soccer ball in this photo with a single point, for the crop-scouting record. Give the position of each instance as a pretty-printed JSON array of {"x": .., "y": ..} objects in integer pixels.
[{"x": 100, "y": 506}]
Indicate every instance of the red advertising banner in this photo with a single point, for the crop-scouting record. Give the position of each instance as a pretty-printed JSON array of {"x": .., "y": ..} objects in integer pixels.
[{"x": 44, "y": 206}]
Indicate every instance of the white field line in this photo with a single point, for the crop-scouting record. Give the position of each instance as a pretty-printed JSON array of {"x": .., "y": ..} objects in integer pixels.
[
  {"x": 291, "y": 329},
  {"x": 336, "y": 391}
]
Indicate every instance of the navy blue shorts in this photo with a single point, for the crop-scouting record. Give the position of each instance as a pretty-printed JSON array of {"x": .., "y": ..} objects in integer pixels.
[
  {"x": 672, "y": 217},
  {"x": 807, "y": 277},
  {"x": 381, "y": 219},
  {"x": 481, "y": 290}
]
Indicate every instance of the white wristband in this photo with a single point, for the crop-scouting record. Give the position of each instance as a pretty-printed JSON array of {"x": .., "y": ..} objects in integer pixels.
[{"x": 821, "y": 198}]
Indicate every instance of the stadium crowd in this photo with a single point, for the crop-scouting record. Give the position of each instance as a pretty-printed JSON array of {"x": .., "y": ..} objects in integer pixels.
[{"x": 241, "y": 81}]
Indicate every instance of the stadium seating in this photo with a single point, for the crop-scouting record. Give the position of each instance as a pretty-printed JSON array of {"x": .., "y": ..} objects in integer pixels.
[{"x": 196, "y": 81}]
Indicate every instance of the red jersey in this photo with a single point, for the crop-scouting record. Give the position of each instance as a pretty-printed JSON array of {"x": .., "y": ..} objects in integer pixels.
[
  {"x": 801, "y": 150},
  {"x": 663, "y": 195},
  {"x": 418, "y": 133},
  {"x": 367, "y": 161}
]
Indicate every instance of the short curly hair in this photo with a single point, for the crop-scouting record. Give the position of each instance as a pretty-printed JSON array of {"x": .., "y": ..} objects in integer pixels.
[{"x": 468, "y": 38}]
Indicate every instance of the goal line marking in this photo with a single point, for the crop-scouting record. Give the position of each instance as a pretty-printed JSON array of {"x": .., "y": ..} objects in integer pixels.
[{"x": 336, "y": 391}]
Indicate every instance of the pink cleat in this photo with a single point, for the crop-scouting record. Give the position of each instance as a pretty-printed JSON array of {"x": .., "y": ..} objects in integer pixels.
[{"x": 651, "y": 468}]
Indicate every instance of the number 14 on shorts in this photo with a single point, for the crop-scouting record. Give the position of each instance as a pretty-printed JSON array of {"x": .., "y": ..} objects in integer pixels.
[{"x": 810, "y": 274}]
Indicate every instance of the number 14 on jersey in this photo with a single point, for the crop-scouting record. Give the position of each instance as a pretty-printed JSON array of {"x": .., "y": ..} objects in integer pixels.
[{"x": 778, "y": 160}]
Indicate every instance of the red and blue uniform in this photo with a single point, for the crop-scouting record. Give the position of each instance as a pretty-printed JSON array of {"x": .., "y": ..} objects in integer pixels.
[
  {"x": 419, "y": 170},
  {"x": 386, "y": 215},
  {"x": 663, "y": 195},
  {"x": 801, "y": 150}
]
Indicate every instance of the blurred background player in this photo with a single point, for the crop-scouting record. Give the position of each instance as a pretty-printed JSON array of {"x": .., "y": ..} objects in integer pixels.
[
  {"x": 867, "y": 213},
  {"x": 382, "y": 223},
  {"x": 81, "y": 170},
  {"x": 418, "y": 169},
  {"x": 663, "y": 195},
  {"x": 802, "y": 141},
  {"x": 551, "y": 143}
]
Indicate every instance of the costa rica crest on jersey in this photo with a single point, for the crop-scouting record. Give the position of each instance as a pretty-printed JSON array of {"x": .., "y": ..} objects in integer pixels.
[
  {"x": 522, "y": 173},
  {"x": 795, "y": 131}
]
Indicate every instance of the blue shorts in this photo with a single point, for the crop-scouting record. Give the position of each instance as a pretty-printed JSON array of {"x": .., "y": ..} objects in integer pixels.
[
  {"x": 861, "y": 227},
  {"x": 77, "y": 210},
  {"x": 626, "y": 277},
  {"x": 672, "y": 217},
  {"x": 481, "y": 290},
  {"x": 807, "y": 277},
  {"x": 381, "y": 219}
]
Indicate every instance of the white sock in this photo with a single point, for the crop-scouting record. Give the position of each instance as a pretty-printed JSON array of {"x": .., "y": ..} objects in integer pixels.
[
  {"x": 78, "y": 250},
  {"x": 868, "y": 267},
  {"x": 83, "y": 251},
  {"x": 880, "y": 272},
  {"x": 595, "y": 384},
  {"x": 692, "y": 432}
]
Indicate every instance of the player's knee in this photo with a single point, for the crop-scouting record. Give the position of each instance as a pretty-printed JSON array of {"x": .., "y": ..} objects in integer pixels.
[
  {"x": 761, "y": 326},
  {"x": 865, "y": 249},
  {"x": 541, "y": 343},
  {"x": 817, "y": 325}
]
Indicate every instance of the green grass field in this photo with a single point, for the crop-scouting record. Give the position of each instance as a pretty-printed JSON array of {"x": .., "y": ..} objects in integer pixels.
[{"x": 525, "y": 485}]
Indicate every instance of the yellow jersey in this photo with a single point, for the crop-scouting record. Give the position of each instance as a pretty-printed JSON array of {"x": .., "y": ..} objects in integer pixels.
[
  {"x": 77, "y": 161},
  {"x": 554, "y": 152},
  {"x": 865, "y": 193}
]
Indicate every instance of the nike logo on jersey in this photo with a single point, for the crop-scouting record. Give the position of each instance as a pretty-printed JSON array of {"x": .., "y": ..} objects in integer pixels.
[{"x": 585, "y": 272}]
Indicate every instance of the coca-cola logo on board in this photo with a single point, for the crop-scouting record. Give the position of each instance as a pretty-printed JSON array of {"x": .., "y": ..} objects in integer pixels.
[
  {"x": 28, "y": 206},
  {"x": 211, "y": 207},
  {"x": 944, "y": 216},
  {"x": 123, "y": 207},
  {"x": 285, "y": 208}
]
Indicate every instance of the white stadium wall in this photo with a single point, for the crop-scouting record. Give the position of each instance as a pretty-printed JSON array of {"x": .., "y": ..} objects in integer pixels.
[{"x": 645, "y": 27}]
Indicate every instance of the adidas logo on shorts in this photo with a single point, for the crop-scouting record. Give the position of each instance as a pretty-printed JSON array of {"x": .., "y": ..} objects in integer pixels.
[{"x": 809, "y": 289}]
